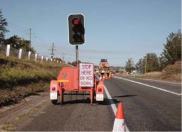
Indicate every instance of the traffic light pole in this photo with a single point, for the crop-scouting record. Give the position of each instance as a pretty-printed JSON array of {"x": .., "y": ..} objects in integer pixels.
[
  {"x": 76, "y": 32},
  {"x": 77, "y": 53}
]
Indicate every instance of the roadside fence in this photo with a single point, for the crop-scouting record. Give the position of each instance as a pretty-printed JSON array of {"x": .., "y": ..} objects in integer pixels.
[{"x": 9, "y": 51}]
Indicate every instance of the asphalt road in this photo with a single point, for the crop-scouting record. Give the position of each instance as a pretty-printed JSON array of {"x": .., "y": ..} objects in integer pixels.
[
  {"x": 75, "y": 114},
  {"x": 146, "y": 109}
]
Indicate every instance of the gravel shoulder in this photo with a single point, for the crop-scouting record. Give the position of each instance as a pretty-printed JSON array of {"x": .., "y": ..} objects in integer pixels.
[
  {"x": 14, "y": 116},
  {"x": 36, "y": 113}
]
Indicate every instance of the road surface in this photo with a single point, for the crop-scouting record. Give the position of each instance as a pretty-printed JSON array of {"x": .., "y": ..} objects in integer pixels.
[
  {"x": 148, "y": 106},
  {"x": 76, "y": 114}
]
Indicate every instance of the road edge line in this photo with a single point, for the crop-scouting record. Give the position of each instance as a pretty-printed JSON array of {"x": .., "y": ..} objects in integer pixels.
[
  {"x": 113, "y": 106},
  {"x": 154, "y": 87}
]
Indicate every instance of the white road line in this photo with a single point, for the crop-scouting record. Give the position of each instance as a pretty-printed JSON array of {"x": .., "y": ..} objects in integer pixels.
[
  {"x": 154, "y": 87},
  {"x": 113, "y": 106}
]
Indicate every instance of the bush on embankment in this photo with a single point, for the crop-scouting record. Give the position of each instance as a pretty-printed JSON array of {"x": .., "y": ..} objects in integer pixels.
[
  {"x": 172, "y": 72},
  {"x": 20, "y": 78},
  {"x": 169, "y": 73}
]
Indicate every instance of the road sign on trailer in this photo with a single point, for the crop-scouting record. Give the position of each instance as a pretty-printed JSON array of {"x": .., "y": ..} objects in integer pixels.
[{"x": 86, "y": 75}]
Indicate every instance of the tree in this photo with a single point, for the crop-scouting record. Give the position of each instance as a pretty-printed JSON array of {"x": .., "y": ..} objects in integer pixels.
[
  {"x": 129, "y": 65},
  {"x": 140, "y": 65},
  {"x": 151, "y": 62},
  {"x": 163, "y": 62},
  {"x": 172, "y": 49},
  {"x": 3, "y": 29},
  {"x": 171, "y": 53},
  {"x": 18, "y": 42}
]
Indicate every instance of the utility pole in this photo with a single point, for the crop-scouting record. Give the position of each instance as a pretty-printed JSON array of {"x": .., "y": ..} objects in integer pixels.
[
  {"x": 52, "y": 50},
  {"x": 63, "y": 56},
  {"x": 30, "y": 36},
  {"x": 77, "y": 55},
  {"x": 145, "y": 63}
]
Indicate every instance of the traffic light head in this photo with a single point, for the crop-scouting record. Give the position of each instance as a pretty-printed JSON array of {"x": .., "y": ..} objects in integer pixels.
[{"x": 76, "y": 29}]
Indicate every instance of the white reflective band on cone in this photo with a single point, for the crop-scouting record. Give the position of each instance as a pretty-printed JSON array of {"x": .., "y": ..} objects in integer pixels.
[
  {"x": 53, "y": 95},
  {"x": 99, "y": 97},
  {"x": 119, "y": 125}
]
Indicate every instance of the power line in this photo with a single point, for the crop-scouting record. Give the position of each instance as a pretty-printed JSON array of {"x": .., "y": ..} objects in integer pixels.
[{"x": 52, "y": 50}]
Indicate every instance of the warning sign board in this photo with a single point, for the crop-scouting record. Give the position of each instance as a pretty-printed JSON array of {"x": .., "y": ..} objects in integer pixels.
[{"x": 86, "y": 75}]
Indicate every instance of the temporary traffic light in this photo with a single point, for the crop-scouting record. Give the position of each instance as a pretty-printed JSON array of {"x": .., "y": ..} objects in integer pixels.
[{"x": 76, "y": 29}]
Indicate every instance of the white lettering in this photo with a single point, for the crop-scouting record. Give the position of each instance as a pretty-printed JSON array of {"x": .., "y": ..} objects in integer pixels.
[{"x": 86, "y": 75}]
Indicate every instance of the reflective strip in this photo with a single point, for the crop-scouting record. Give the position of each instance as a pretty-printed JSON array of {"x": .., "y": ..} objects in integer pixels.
[
  {"x": 53, "y": 95},
  {"x": 99, "y": 97},
  {"x": 62, "y": 80},
  {"x": 119, "y": 125}
]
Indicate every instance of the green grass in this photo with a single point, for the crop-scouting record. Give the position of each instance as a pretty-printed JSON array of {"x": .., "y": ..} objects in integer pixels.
[
  {"x": 15, "y": 72},
  {"x": 16, "y": 76},
  {"x": 21, "y": 78}
]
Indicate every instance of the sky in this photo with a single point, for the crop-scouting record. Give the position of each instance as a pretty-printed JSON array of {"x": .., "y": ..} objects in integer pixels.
[{"x": 114, "y": 29}]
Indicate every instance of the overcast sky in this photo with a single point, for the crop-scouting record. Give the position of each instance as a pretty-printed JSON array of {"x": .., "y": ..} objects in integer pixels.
[{"x": 115, "y": 29}]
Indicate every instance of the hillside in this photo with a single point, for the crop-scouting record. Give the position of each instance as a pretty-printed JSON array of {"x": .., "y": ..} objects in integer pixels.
[
  {"x": 21, "y": 78},
  {"x": 169, "y": 73}
]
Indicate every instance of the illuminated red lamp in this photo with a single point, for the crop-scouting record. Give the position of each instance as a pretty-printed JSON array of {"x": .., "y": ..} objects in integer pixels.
[{"x": 76, "y": 21}]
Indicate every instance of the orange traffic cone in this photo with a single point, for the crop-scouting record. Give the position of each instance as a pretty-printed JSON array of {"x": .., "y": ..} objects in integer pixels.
[{"x": 119, "y": 124}]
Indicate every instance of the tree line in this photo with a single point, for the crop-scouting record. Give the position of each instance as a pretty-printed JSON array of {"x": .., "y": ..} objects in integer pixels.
[
  {"x": 151, "y": 62},
  {"x": 15, "y": 41}
]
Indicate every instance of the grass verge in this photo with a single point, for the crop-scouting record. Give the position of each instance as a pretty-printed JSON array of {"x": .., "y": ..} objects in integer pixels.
[{"x": 21, "y": 78}]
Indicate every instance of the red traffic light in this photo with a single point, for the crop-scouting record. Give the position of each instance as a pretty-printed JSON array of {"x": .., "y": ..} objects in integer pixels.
[
  {"x": 76, "y": 21},
  {"x": 76, "y": 29}
]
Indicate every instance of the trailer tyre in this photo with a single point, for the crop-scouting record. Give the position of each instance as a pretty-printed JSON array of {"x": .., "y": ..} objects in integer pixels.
[{"x": 55, "y": 102}]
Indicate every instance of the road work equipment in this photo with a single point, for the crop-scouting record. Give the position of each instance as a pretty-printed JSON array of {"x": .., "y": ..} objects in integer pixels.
[
  {"x": 104, "y": 69},
  {"x": 119, "y": 123},
  {"x": 80, "y": 79}
]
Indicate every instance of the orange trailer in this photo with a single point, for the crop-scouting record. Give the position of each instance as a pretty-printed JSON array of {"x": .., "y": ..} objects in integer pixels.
[{"x": 77, "y": 79}]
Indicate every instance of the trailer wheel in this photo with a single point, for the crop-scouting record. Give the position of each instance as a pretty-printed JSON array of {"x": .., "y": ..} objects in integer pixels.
[{"x": 55, "y": 102}]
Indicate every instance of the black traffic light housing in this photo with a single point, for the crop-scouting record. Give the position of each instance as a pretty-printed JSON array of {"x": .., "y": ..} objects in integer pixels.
[{"x": 76, "y": 29}]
